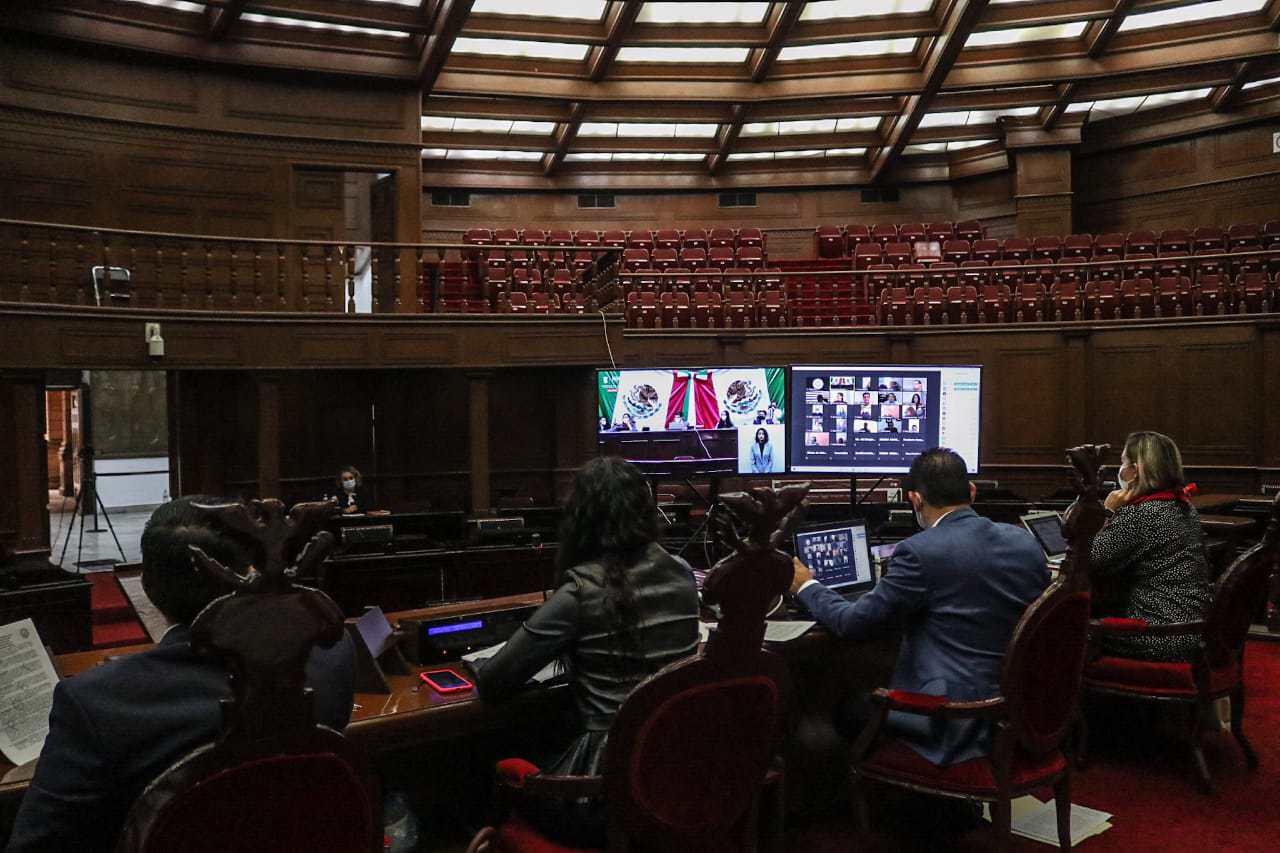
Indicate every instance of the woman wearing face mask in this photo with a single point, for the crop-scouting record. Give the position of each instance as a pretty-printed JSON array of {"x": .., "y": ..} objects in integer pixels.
[
  {"x": 1149, "y": 561},
  {"x": 349, "y": 481}
]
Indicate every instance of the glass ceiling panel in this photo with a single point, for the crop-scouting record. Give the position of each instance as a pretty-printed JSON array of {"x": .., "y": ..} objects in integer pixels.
[
  {"x": 619, "y": 156},
  {"x": 825, "y": 10},
  {"x": 587, "y": 10},
  {"x": 1111, "y": 107},
  {"x": 255, "y": 18},
  {"x": 486, "y": 125},
  {"x": 1188, "y": 14},
  {"x": 870, "y": 47},
  {"x": 1256, "y": 83},
  {"x": 703, "y": 13},
  {"x": 1018, "y": 35},
  {"x": 178, "y": 5},
  {"x": 515, "y": 47},
  {"x": 649, "y": 129},
  {"x": 797, "y": 155},
  {"x": 683, "y": 54},
  {"x": 481, "y": 154},
  {"x": 972, "y": 117}
]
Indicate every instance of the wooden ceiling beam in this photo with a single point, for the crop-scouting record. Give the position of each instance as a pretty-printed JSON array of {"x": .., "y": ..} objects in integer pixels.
[
  {"x": 446, "y": 25},
  {"x": 1053, "y": 113},
  {"x": 618, "y": 17},
  {"x": 726, "y": 139},
  {"x": 1222, "y": 96},
  {"x": 780, "y": 20},
  {"x": 1100, "y": 33},
  {"x": 219, "y": 18},
  {"x": 961, "y": 18},
  {"x": 565, "y": 133}
]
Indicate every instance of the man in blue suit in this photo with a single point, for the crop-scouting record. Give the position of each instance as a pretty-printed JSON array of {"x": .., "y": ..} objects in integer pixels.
[
  {"x": 114, "y": 728},
  {"x": 957, "y": 589}
]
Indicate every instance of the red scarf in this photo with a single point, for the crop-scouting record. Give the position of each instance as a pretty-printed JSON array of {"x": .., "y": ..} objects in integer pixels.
[{"x": 1182, "y": 495}]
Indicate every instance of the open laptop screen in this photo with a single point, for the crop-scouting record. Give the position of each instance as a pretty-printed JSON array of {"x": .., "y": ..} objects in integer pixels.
[
  {"x": 1047, "y": 528},
  {"x": 838, "y": 555}
]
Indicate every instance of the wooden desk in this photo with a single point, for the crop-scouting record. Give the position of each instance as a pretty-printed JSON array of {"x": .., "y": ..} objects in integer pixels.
[{"x": 1217, "y": 503}]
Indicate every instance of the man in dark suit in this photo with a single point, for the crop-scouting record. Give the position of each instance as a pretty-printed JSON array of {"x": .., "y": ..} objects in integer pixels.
[
  {"x": 958, "y": 589},
  {"x": 114, "y": 728}
]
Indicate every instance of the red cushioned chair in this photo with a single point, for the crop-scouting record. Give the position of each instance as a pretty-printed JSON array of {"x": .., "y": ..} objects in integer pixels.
[
  {"x": 828, "y": 241},
  {"x": 1217, "y": 666},
  {"x": 1036, "y": 711},
  {"x": 691, "y": 749},
  {"x": 274, "y": 780}
]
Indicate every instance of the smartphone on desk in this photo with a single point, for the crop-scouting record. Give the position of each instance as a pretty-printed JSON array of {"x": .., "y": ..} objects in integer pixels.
[{"x": 445, "y": 681}]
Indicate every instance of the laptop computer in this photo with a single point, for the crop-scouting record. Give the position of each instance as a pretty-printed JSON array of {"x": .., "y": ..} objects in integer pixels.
[
  {"x": 1046, "y": 527},
  {"x": 839, "y": 556}
]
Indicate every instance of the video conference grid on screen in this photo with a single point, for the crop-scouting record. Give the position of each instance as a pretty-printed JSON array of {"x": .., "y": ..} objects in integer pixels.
[
  {"x": 838, "y": 557},
  {"x": 713, "y": 413},
  {"x": 875, "y": 419}
]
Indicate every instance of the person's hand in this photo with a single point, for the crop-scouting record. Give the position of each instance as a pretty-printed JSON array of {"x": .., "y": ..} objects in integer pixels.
[
  {"x": 800, "y": 575},
  {"x": 351, "y": 508},
  {"x": 1116, "y": 499}
]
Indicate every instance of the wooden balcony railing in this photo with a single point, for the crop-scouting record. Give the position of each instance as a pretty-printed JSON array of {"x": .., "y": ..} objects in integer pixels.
[{"x": 59, "y": 264}]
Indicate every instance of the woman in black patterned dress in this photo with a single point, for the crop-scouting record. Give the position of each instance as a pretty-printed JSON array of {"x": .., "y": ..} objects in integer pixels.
[{"x": 1149, "y": 561}]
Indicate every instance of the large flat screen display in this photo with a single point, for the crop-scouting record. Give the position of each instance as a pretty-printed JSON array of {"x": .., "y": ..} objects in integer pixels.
[
  {"x": 709, "y": 420},
  {"x": 876, "y": 418}
]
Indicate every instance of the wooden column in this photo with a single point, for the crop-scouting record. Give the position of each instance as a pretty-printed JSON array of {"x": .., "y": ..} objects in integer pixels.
[
  {"x": 478, "y": 411},
  {"x": 268, "y": 387},
  {"x": 24, "y": 516},
  {"x": 1042, "y": 192}
]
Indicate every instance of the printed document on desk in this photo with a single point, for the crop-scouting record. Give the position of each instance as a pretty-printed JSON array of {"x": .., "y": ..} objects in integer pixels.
[
  {"x": 775, "y": 630},
  {"x": 477, "y": 660},
  {"x": 27, "y": 679}
]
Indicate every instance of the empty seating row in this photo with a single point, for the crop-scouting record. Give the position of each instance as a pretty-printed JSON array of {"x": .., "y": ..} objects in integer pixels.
[
  {"x": 662, "y": 238},
  {"x": 834, "y": 242},
  {"x": 721, "y": 257},
  {"x": 845, "y": 304},
  {"x": 540, "y": 303}
]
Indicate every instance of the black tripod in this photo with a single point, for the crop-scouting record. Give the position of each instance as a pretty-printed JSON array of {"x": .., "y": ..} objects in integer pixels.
[{"x": 88, "y": 501}]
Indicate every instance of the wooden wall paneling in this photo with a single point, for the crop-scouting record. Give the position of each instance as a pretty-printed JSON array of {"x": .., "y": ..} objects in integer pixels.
[
  {"x": 575, "y": 426},
  {"x": 1129, "y": 383},
  {"x": 1043, "y": 191},
  {"x": 480, "y": 462},
  {"x": 1024, "y": 405},
  {"x": 422, "y": 439},
  {"x": 1220, "y": 396},
  {"x": 270, "y": 434},
  {"x": 24, "y": 515},
  {"x": 325, "y": 422},
  {"x": 523, "y": 406},
  {"x": 216, "y": 452}
]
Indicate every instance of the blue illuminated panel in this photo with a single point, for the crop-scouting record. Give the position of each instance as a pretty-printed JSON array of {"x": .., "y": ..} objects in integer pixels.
[{"x": 455, "y": 628}]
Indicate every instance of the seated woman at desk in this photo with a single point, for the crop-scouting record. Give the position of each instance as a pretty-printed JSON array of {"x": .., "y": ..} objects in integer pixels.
[
  {"x": 1148, "y": 561},
  {"x": 624, "y": 609},
  {"x": 349, "y": 482}
]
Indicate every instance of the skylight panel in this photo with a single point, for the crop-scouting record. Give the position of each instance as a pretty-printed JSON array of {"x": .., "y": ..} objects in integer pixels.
[
  {"x": 1189, "y": 14},
  {"x": 944, "y": 119},
  {"x": 1256, "y": 83},
  {"x": 1117, "y": 106},
  {"x": 826, "y": 10},
  {"x": 846, "y": 152},
  {"x": 751, "y": 155},
  {"x": 1082, "y": 107},
  {"x": 807, "y": 153},
  {"x": 646, "y": 129},
  {"x": 861, "y": 123},
  {"x": 586, "y": 10},
  {"x": 968, "y": 143},
  {"x": 703, "y": 13},
  {"x": 483, "y": 154},
  {"x": 435, "y": 153},
  {"x": 583, "y": 156},
  {"x": 177, "y": 5},
  {"x": 683, "y": 54},
  {"x": 869, "y": 47},
  {"x": 688, "y": 156},
  {"x": 795, "y": 155},
  {"x": 973, "y": 117},
  {"x": 1018, "y": 35},
  {"x": 486, "y": 125},
  {"x": 636, "y": 155},
  {"x": 516, "y": 47},
  {"x": 925, "y": 148},
  {"x": 283, "y": 21},
  {"x": 697, "y": 131},
  {"x": 598, "y": 128},
  {"x": 1165, "y": 98}
]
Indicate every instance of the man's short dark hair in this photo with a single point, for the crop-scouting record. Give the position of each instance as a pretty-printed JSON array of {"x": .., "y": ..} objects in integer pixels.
[
  {"x": 175, "y": 585},
  {"x": 939, "y": 475}
]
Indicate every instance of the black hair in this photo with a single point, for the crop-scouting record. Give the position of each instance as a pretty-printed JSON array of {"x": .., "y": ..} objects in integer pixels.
[
  {"x": 610, "y": 518},
  {"x": 354, "y": 472},
  {"x": 170, "y": 578},
  {"x": 939, "y": 475},
  {"x": 766, "y": 436}
]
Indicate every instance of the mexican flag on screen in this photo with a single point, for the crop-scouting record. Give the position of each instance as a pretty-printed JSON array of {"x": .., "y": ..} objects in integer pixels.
[{"x": 654, "y": 398}]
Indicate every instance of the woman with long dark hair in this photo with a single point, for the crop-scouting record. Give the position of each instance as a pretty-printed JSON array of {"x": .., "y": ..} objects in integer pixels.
[{"x": 624, "y": 608}]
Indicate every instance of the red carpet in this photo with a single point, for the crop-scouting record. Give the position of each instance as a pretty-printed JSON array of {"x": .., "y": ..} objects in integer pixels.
[
  {"x": 1144, "y": 779},
  {"x": 115, "y": 622}
]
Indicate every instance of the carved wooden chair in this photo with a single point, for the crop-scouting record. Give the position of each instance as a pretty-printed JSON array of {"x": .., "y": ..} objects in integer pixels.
[
  {"x": 691, "y": 749},
  {"x": 1036, "y": 711},
  {"x": 1216, "y": 669},
  {"x": 274, "y": 780}
]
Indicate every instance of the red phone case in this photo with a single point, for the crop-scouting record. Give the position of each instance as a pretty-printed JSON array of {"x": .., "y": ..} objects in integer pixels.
[{"x": 440, "y": 688}]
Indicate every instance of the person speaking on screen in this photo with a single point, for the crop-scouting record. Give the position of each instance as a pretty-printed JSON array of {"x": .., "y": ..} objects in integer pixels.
[{"x": 761, "y": 453}]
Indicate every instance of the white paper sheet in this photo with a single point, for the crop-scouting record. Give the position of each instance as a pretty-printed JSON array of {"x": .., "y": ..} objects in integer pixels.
[
  {"x": 27, "y": 679},
  {"x": 775, "y": 630},
  {"x": 1038, "y": 821},
  {"x": 542, "y": 676}
]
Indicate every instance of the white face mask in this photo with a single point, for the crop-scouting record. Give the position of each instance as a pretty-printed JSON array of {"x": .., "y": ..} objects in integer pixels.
[
  {"x": 349, "y": 485},
  {"x": 1120, "y": 476}
]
